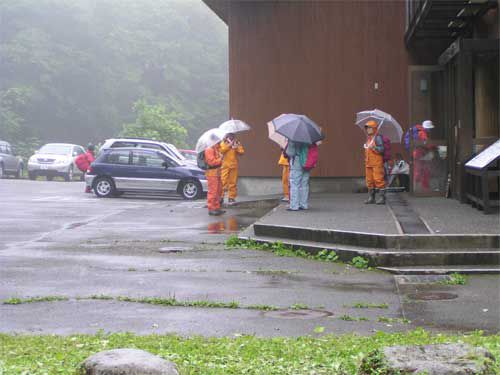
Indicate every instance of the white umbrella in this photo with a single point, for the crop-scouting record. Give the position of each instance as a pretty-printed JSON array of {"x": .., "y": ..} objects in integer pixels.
[
  {"x": 281, "y": 140},
  {"x": 387, "y": 125},
  {"x": 234, "y": 126},
  {"x": 209, "y": 138}
]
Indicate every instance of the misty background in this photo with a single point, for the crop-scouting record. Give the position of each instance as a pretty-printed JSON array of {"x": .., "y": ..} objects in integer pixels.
[{"x": 82, "y": 71}]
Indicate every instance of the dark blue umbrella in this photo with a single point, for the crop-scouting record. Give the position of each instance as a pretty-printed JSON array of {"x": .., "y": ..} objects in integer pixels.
[{"x": 297, "y": 128}]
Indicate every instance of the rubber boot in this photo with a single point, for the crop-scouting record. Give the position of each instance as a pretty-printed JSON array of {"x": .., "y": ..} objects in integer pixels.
[
  {"x": 381, "y": 198},
  {"x": 371, "y": 197}
]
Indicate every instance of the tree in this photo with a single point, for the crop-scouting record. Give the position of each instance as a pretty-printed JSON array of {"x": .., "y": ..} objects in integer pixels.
[{"x": 155, "y": 122}]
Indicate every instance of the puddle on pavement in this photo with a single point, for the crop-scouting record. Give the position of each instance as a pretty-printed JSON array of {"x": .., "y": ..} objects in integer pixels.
[
  {"x": 432, "y": 296},
  {"x": 303, "y": 314},
  {"x": 231, "y": 224}
]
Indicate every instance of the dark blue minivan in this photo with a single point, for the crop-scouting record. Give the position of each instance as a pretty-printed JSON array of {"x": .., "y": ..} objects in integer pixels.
[{"x": 137, "y": 170}]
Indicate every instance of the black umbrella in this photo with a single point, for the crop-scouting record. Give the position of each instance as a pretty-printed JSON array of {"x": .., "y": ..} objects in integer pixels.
[{"x": 297, "y": 128}]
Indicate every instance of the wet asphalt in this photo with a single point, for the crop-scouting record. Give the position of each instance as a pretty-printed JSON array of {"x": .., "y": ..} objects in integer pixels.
[{"x": 55, "y": 240}]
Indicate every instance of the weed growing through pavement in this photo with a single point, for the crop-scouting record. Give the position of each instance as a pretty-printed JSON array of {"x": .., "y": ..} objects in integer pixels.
[
  {"x": 280, "y": 249},
  {"x": 385, "y": 319},
  {"x": 19, "y": 301},
  {"x": 349, "y": 318},
  {"x": 299, "y": 306},
  {"x": 365, "y": 305},
  {"x": 455, "y": 279},
  {"x": 170, "y": 301},
  {"x": 360, "y": 262}
]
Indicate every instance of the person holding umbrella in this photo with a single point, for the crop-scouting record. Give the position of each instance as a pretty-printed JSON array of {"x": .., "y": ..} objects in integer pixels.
[
  {"x": 374, "y": 163},
  {"x": 210, "y": 159},
  {"x": 231, "y": 150},
  {"x": 302, "y": 134},
  {"x": 377, "y": 123}
]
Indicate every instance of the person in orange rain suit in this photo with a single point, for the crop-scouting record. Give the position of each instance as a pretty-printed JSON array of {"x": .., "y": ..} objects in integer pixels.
[
  {"x": 374, "y": 164},
  {"x": 285, "y": 176},
  {"x": 231, "y": 149},
  {"x": 213, "y": 158}
]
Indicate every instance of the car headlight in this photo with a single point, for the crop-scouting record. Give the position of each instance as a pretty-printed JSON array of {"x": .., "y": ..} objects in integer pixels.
[{"x": 32, "y": 159}]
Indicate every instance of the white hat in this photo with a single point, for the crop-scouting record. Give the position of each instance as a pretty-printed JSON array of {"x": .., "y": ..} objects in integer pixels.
[{"x": 427, "y": 124}]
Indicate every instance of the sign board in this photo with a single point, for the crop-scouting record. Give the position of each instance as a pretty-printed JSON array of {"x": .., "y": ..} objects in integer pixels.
[{"x": 485, "y": 157}]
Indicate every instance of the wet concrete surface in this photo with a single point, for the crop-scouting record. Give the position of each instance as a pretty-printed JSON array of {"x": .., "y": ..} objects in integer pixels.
[{"x": 58, "y": 241}]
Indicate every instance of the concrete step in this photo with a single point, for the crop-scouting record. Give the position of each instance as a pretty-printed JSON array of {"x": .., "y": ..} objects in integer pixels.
[
  {"x": 443, "y": 270},
  {"x": 380, "y": 241},
  {"x": 389, "y": 257}
]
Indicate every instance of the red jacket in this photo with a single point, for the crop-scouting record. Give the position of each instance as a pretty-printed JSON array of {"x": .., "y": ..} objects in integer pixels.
[{"x": 83, "y": 161}]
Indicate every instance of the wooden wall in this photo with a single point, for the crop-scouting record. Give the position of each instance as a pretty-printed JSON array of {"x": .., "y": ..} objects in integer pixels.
[{"x": 319, "y": 58}]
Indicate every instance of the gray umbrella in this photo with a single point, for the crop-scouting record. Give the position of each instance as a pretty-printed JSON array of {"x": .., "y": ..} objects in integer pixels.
[{"x": 298, "y": 128}]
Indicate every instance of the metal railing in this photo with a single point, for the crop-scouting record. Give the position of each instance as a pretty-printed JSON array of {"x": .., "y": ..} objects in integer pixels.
[{"x": 413, "y": 11}]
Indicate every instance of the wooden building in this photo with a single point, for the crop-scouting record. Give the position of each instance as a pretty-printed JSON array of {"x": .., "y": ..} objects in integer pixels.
[{"x": 331, "y": 59}]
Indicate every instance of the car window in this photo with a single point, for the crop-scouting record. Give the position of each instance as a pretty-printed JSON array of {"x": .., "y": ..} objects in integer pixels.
[
  {"x": 56, "y": 149},
  {"x": 117, "y": 157},
  {"x": 147, "y": 159},
  {"x": 150, "y": 146},
  {"x": 8, "y": 150},
  {"x": 123, "y": 144},
  {"x": 2, "y": 149}
]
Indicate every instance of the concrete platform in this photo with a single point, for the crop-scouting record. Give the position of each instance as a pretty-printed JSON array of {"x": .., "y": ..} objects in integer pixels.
[{"x": 454, "y": 234}]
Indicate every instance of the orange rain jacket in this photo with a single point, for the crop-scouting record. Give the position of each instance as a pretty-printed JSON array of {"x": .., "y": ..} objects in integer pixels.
[{"x": 230, "y": 155}]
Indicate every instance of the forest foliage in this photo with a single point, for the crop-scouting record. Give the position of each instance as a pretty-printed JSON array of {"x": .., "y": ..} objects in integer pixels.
[{"x": 84, "y": 70}]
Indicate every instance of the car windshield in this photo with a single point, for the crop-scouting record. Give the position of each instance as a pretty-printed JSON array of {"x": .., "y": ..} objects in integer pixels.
[
  {"x": 56, "y": 149},
  {"x": 188, "y": 155}
]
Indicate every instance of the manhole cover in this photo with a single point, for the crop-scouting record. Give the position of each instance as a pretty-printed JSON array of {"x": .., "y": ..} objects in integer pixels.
[
  {"x": 432, "y": 296},
  {"x": 172, "y": 249},
  {"x": 297, "y": 314}
]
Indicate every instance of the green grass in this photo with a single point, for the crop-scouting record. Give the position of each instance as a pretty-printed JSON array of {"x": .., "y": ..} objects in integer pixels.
[
  {"x": 172, "y": 301},
  {"x": 36, "y": 355}
]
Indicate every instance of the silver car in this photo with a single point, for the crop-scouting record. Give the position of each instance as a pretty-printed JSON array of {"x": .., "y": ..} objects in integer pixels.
[
  {"x": 9, "y": 163},
  {"x": 55, "y": 159}
]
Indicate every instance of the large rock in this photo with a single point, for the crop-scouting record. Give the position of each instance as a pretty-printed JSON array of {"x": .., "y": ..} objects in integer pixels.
[
  {"x": 127, "y": 362},
  {"x": 440, "y": 359}
]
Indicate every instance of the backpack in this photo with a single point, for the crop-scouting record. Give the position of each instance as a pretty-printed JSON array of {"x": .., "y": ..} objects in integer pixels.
[
  {"x": 387, "y": 148},
  {"x": 200, "y": 160},
  {"x": 309, "y": 156},
  {"x": 81, "y": 162},
  {"x": 202, "y": 163}
]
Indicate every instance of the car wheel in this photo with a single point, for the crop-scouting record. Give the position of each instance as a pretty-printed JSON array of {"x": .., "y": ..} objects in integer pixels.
[
  {"x": 104, "y": 187},
  {"x": 69, "y": 176},
  {"x": 32, "y": 175},
  {"x": 19, "y": 173},
  {"x": 2, "y": 171},
  {"x": 190, "y": 190}
]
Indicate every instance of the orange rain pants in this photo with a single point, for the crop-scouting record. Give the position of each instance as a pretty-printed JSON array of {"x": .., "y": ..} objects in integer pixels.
[
  {"x": 229, "y": 177},
  {"x": 229, "y": 170},
  {"x": 213, "y": 159},
  {"x": 374, "y": 168}
]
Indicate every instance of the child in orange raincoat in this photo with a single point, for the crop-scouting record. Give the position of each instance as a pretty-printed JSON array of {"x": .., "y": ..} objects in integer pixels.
[
  {"x": 285, "y": 176},
  {"x": 374, "y": 164},
  {"x": 213, "y": 158},
  {"x": 231, "y": 150}
]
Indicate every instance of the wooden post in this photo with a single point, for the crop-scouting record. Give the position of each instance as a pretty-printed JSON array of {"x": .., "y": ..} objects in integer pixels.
[{"x": 465, "y": 109}]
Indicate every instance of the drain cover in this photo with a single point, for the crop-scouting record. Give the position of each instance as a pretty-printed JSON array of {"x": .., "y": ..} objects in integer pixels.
[
  {"x": 297, "y": 314},
  {"x": 172, "y": 249},
  {"x": 432, "y": 296}
]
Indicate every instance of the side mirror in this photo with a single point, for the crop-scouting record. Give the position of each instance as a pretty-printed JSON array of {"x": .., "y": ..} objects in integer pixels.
[
  {"x": 75, "y": 153},
  {"x": 165, "y": 164}
]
